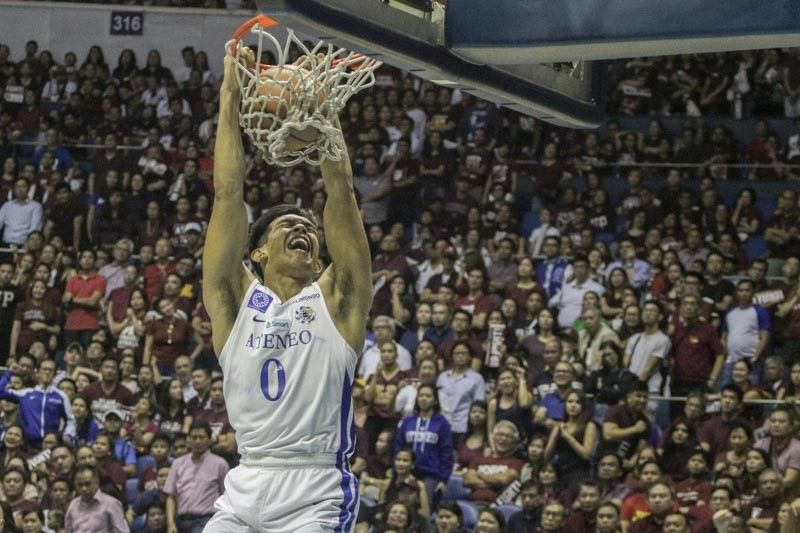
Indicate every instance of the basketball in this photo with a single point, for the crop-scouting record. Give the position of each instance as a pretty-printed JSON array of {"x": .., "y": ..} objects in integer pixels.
[{"x": 281, "y": 86}]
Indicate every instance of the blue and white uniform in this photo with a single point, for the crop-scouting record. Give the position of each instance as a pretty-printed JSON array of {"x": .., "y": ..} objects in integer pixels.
[{"x": 288, "y": 374}]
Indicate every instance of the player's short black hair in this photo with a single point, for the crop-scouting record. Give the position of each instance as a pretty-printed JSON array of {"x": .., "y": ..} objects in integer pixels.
[{"x": 260, "y": 228}]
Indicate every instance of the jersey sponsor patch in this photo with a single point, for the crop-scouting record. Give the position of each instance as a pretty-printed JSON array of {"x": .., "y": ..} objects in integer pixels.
[
  {"x": 305, "y": 314},
  {"x": 260, "y": 301}
]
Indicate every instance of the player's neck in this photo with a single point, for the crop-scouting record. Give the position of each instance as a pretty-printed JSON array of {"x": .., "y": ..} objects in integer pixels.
[{"x": 285, "y": 287}]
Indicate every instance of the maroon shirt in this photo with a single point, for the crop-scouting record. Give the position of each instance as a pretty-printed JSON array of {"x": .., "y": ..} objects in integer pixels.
[
  {"x": 715, "y": 431},
  {"x": 28, "y": 312},
  {"x": 695, "y": 349},
  {"x": 119, "y": 299},
  {"x": 492, "y": 465},
  {"x": 169, "y": 338},
  {"x": 624, "y": 417},
  {"x": 691, "y": 491},
  {"x": 100, "y": 402}
]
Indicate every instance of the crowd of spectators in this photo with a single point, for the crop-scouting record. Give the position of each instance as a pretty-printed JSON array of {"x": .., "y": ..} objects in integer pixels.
[
  {"x": 739, "y": 84},
  {"x": 526, "y": 318}
]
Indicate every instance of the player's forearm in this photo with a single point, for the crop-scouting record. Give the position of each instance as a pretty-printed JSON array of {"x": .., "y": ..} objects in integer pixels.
[{"x": 229, "y": 161}]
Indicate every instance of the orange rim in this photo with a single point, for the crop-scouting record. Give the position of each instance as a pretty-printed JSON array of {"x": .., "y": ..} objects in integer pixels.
[
  {"x": 267, "y": 22},
  {"x": 262, "y": 20}
]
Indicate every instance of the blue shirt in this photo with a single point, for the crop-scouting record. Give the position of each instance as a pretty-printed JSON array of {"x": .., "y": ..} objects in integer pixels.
[
  {"x": 550, "y": 273},
  {"x": 457, "y": 394}
]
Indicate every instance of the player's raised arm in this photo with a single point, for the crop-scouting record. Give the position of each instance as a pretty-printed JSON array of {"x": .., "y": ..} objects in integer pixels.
[
  {"x": 225, "y": 279},
  {"x": 348, "y": 278}
]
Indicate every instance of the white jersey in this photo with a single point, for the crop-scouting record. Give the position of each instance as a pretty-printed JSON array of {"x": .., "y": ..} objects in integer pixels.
[{"x": 288, "y": 373}]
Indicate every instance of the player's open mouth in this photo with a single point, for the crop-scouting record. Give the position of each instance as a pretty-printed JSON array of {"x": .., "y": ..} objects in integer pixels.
[{"x": 299, "y": 243}]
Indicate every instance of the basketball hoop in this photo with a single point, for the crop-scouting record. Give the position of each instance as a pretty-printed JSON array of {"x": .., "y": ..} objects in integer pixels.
[{"x": 282, "y": 101}]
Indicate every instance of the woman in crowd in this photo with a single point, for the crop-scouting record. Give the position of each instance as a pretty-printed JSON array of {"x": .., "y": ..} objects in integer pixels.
[
  {"x": 757, "y": 460},
  {"x": 477, "y": 442},
  {"x": 130, "y": 331},
  {"x": 535, "y": 344},
  {"x": 416, "y": 332},
  {"x": 127, "y": 370},
  {"x": 572, "y": 442},
  {"x": 173, "y": 416},
  {"x": 112, "y": 476},
  {"x": 490, "y": 521},
  {"x": 141, "y": 427},
  {"x": 611, "y": 300},
  {"x": 428, "y": 435},
  {"x": 512, "y": 401},
  {"x": 678, "y": 442},
  {"x": 13, "y": 444},
  {"x": 86, "y": 428},
  {"x": 168, "y": 337},
  {"x": 733, "y": 461},
  {"x": 35, "y": 320}
]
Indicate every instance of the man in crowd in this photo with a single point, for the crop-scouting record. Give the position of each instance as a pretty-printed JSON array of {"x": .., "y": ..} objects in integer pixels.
[
  {"x": 569, "y": 300},
  {"x": 746, "y": 330},
  {"x": 783, "y": 448},
  {"x": 646, "y": 351},
  {"x": 489, "y": 476},
  {"x": 584, "y": 517},
  {"x": 115, "y": 272},
  {"x": 108, "y": 393},
  {"x": 713, "y": 434},
  {"x": 43, "y": 408},
  {"x": 625, "y": 426},
  {"x": 661, "y": 500},
  {"x": 697, "y": 353},
  {"x": 93, "y": 511},
  {"x": 458, "y": 388},
  {"x": 82, "y": 298},
  {"x": 194, "y": 483},
  {"x": 19, "y": 216},
  {"x": 384, "y": 328}
]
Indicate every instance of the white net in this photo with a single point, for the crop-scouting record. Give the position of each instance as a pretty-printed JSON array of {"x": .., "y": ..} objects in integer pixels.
[{"x": 289, "y": 110}]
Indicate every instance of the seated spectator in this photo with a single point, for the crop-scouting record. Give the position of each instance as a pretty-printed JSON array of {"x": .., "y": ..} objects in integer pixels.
[
  {"x": 626, "y": 429},
  {"x": 660, "y": 499},
  {"x": 714, "y": 433},
  {"x": 108, "y": 393},
  {"x": 449, "y": 518},
  {"x": 124, "y": 450},
  {"x": 635, "y": 507},
  {"x": 783, "y": 447},
  {"x": 678, "y": 443},
  {"x": 553, "y": 516},
  {"x": 760, "y": 513},
  {"x": 140, "y": 428},
  {"x": 173, "y": 416},
  {"x": 489, "y": 476},
  {"x": 551, "y": 408},
  {"x": 696, "y": 489},
  {"x": 584, "y": 517},
  {"x": 112, "y": 473},
  {"x": 92, "y": 510}
]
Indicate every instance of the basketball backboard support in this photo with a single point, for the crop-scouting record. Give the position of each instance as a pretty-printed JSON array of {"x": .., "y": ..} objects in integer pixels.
[
  {"x": 542, "y": 31},
  {"x": 405, "y": 35}
]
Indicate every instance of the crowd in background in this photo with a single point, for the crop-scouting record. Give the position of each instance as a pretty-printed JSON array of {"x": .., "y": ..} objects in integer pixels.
[{"x": 529, "y": 312}]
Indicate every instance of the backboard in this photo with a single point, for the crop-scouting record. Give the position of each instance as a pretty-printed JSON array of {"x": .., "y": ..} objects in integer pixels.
[
  {"x": 539, "y": 57},
  {"x": 407, "y": 35}
]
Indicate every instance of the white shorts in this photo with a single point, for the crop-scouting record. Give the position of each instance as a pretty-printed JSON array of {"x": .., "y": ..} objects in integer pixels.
[{"x": 305, "y": 499}]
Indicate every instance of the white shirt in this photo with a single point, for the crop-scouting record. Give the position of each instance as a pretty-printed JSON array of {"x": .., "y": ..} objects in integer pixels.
[
  {"x": 569, "y": 300},
  {"x": 640, "y": 348},
  {"x": 372, "y": 356},
  {"x": 19, "y": 219}
]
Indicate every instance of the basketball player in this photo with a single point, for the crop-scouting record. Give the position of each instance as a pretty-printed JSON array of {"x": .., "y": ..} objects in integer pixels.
[{"x": 287, "y": 345}]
